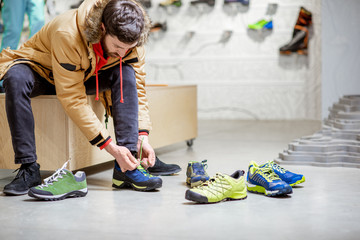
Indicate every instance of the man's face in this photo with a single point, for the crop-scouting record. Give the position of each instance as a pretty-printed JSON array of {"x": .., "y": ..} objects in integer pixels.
[{"x": 113, "y": 47}]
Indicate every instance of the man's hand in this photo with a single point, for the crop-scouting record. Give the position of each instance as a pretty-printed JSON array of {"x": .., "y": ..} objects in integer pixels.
[
  {"x": 123, "y": 157},
  {"x": 147, "y": 152}
]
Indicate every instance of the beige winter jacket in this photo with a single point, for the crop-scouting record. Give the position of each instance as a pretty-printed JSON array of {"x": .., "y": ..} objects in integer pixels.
[{"x": 62, "y": 53}]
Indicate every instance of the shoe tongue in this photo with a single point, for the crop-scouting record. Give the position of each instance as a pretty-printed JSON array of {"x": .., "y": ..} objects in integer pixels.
[
  {"x": 264, "y": 165},
  {"x": 197, "y": 164},
  {"x": 198, "y": 168},
  {"x": 266, "y": 168},
  {"x": 140, "y": 167},
  {"x": 143, "y": 170}
]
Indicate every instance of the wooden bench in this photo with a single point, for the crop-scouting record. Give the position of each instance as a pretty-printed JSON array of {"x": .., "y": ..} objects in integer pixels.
[{"x": 173, "y": 111}]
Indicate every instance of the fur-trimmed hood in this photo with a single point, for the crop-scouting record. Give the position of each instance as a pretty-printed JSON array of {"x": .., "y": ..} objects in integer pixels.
[{"x": 90, "y": 16}]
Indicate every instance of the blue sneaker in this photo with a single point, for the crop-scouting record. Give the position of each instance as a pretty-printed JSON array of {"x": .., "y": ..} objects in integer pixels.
[
  {"x": 263, "y": 179},
  {"x": 196, "y": 174},
  {"x": 269, "y": 25},
  {"x": 262, "y": 24},
  {"x": 139, "y": 179},
  {"x": 285, "y": 175}
]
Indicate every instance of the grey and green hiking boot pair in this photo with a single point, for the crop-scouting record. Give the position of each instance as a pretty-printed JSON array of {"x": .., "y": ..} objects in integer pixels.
[
  {"x": 196, "y": 173},
  {"x": 62, "y": 184}
]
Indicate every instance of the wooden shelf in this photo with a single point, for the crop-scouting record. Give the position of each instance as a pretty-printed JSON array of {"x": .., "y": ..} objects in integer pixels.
[{"x": 173, "y": 110}]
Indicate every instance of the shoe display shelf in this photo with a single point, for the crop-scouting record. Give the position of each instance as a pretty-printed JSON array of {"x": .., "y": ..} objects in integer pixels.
[{"x": 173, "y": 112}]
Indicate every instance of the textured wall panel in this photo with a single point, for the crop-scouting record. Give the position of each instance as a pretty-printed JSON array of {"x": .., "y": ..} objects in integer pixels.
[{"x": 243, "y": 74}]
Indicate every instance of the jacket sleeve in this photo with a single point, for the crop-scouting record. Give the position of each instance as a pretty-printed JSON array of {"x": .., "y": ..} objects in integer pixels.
[
  {"x": 139, "y": 68},
  {"x": 70, "y": 88}
]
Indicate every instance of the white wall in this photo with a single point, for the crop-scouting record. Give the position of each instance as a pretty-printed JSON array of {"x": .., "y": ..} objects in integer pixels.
[
  {"x": 341, "y": 51},
  {"x": 243, "y": 78}
]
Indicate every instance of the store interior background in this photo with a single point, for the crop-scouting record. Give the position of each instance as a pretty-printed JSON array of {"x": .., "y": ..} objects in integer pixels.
[
  {"x": 241, "y": 79},
  {"x": 239, "y": 72},
  {"x": 239, "y": 76}
]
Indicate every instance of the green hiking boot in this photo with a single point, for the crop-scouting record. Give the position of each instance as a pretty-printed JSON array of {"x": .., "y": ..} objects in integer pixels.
[
  {"x": 219, "y": 188},
  {"x": 196, "y": 174},
  {"x": 60, "y": 185}
]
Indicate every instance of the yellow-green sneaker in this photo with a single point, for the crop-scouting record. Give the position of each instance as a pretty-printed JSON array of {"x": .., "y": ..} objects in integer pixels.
[{"x": 219, "y": 188}]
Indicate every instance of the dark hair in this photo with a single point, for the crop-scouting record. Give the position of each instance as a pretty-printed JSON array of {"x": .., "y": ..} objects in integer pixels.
[{"x": 123, "y": 19}]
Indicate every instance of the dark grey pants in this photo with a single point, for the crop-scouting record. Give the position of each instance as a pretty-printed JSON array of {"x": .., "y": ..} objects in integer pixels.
[{"x": 21, "y": 83}]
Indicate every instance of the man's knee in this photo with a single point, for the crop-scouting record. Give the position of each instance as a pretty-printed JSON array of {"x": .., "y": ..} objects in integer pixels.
[
  {"x": 128, "y": 75},
  {"x": 19, "y": 77}
]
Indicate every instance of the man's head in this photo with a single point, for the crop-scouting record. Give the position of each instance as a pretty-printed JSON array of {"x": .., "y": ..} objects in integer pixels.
[{"x": 123, "y": 26}]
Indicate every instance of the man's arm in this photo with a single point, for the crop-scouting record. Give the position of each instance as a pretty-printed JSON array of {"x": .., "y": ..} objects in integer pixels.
[
  {"x": 123, "y": 157},
  {"x": 139, "y": 68},
  {"x": 71, "y": 92},
  {"x": 70, "y": 89}
]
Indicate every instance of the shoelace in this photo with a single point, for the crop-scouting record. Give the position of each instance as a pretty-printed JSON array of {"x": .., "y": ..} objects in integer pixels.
[
  {"x": 21, "y": 173},
  {"x": 141, "y": 146},
  {"x": 215, "y": 181},
  {"x": 269, "y": 173},
  {"x": 140, "y": 168},
  {"x": 278, "y": 167},
  {"x": 144, "y": 171},
  {"x": 212, "y": 180},
  {"x": 54, "y": 178}
]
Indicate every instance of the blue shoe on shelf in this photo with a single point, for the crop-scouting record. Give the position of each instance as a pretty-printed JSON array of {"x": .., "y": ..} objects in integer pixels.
[
  {"x": 243, "y": 2},
  {"x": 262, "y": 24},
  {"x": 268, "y": 25}
]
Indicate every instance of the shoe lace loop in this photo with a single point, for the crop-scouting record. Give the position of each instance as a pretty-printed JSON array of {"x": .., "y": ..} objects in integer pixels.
[
  {"x": 212, "y": 181},
  {"x": 54, "y": 178},
  {"x": 144, "y": 171},
  {"x": 269, "y": 173},
  {"x": 214, "y": 184},
  {"x": 278, "y": 167},
  {"x": 22, "y": 172}
]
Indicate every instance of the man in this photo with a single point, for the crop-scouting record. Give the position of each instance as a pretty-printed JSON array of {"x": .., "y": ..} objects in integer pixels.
[{"x": 96, "y": 49}]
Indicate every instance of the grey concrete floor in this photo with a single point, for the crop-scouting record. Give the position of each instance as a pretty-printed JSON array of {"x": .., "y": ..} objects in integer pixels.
[{"x": 326, "y": 206}]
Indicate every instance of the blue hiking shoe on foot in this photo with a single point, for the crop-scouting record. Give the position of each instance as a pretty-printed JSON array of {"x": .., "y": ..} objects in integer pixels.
[
  {"x": 285, "y": 175},
  {"x": 196, "y": 174},
  {"x": 139, "y": 179},
  {"x": 263, "y": 179}
]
